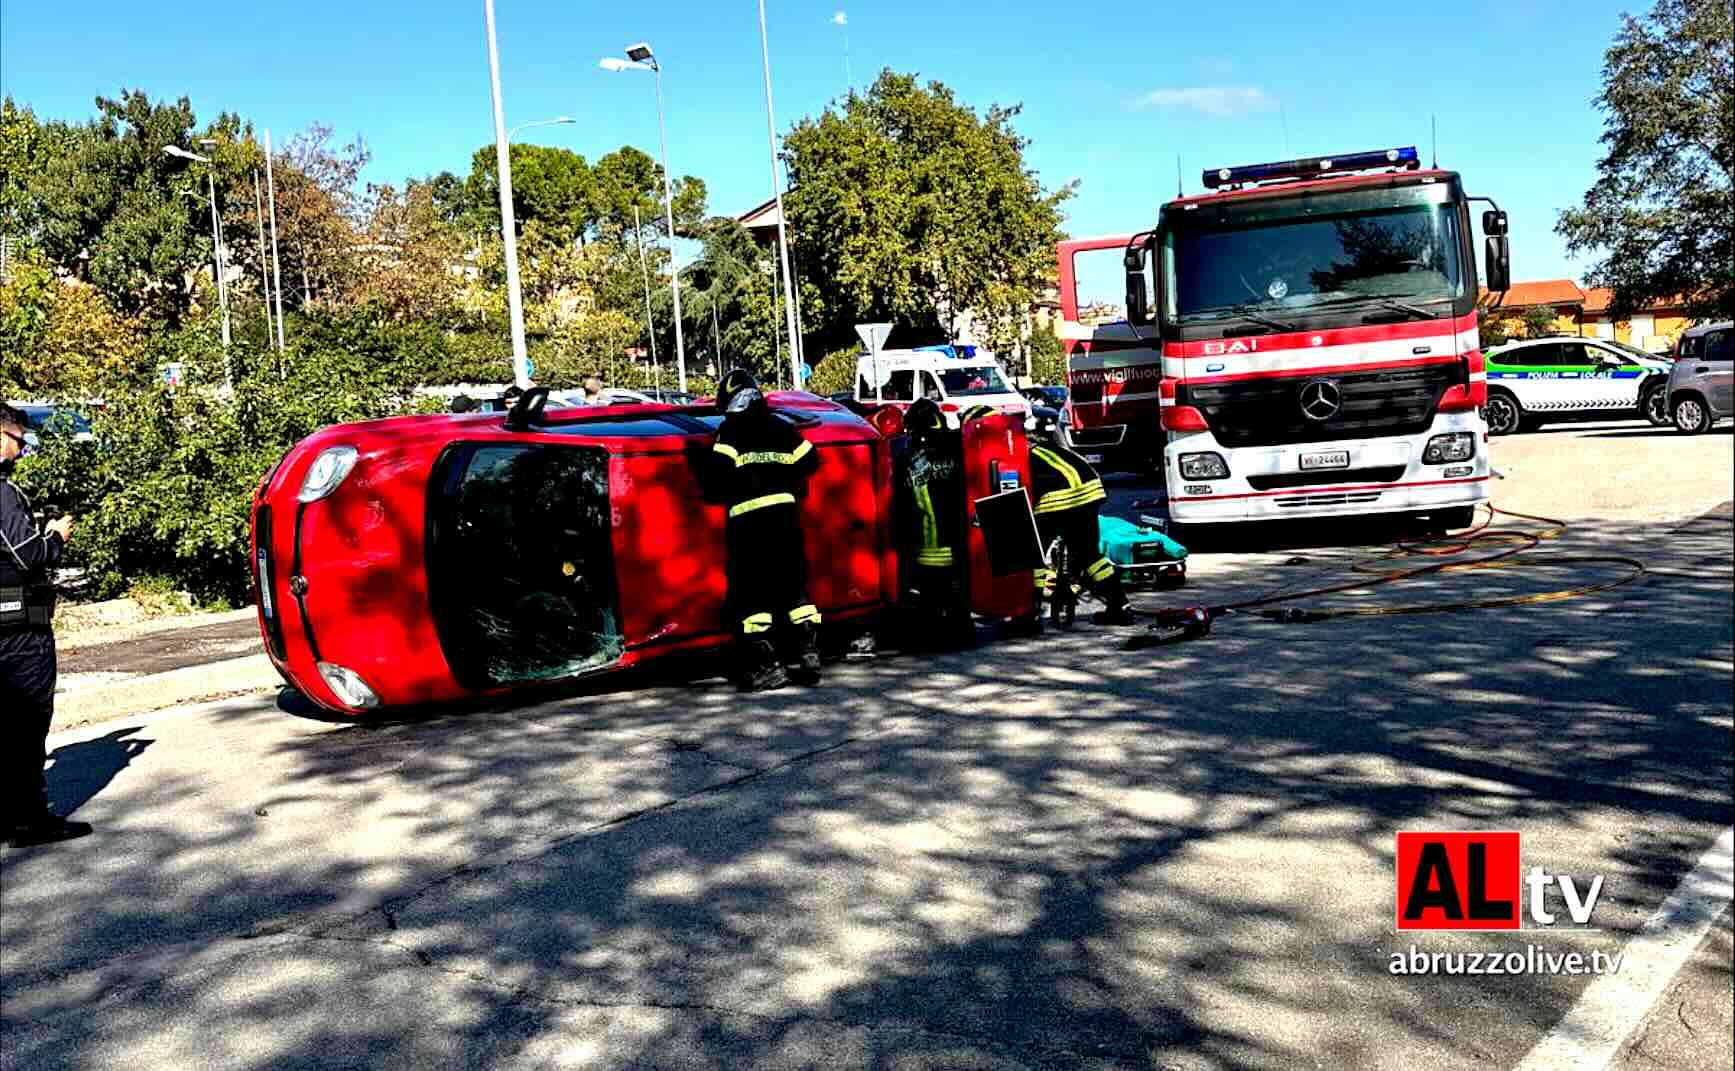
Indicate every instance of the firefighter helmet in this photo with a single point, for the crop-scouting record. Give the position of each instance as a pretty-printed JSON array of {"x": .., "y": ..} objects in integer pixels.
[
  {"x": 738, "y": 389},
  {"x": 976, "y": 412},
  {"x": 924, "y": 418}
]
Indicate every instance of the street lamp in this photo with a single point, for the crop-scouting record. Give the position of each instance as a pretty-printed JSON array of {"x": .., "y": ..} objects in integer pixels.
[
  {"x": 777, "y": 195},
  {"x": 508, "y": 226},
  {"x": 540, "y": 122},
  {"x": 216, "y": 245},
  {"x": 639, "y": 58}
]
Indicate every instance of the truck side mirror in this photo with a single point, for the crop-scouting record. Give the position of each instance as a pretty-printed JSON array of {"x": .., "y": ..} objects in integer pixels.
[
  {"x": 1493, "y": 222},
  {"x": 1498, "y": 257},
  {"x": 1138, "y": 301}
]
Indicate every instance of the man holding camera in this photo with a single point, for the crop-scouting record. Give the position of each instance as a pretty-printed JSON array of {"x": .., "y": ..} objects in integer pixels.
[{"x": 27, "y": 657}]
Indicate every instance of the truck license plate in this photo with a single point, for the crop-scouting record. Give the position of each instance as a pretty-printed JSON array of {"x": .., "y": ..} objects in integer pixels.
[
  {"x": 1325, "y": 459},
  {"x": 1094, "y": 459}
]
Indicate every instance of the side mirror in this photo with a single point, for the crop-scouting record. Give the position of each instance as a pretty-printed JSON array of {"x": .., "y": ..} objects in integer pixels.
[
  {"x": 1498, "y": 258},
  {"x": 1138, "y": 304},
  {"x": 1493, "y": 222}
]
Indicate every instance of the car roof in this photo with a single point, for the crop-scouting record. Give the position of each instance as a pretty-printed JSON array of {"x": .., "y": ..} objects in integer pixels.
[{"x": 1719, "y": 325}]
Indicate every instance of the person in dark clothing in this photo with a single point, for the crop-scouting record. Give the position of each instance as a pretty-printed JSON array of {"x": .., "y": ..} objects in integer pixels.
[
  {"x": 930, "y": 495},
  {"x": 759, "y": 467},
  {"x": 463, "y": 403},
  {"x": 27, "y": 655},
  {"x": 1067, "y": 492}
]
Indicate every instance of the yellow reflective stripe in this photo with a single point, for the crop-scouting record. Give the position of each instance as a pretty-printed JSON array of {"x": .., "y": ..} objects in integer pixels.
[
  {"x": 756, "y": 624},
  {"x": 804, "y": 615},
  {"x": 726, "y": 450},
  {"x": 934, "y": 556},
  {"x": 1082, "y": 495},
  {"x": 761, "y": 502},
  {"x": 1055, "y": 462},
  {"x": 767, "y": 457},
  {"x": 803, "y": 450},
  {"x": 930, "y": 528},
  {"x": 1101, "y": 570}
]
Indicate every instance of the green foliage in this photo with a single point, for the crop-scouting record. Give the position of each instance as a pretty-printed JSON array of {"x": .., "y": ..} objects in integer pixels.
[
  {"x": 1662, "y": 211},
  {"x": 835, "y": 372},
  {"x": 1047, "y": 358},
  {"x": 1499, "y": 326},
  {"x": 912, "y": 208}
]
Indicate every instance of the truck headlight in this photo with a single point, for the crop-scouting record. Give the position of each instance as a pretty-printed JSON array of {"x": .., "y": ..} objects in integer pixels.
[
  {"x": 1203, "y": 467},
  {"x": 327, "y": 471},
  {"x": 348, "y": 686},
  {"x": 1444, "y": 449}
]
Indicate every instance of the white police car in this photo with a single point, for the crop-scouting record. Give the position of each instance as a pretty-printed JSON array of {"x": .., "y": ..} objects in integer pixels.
[{"x": 1541, "y": 379}]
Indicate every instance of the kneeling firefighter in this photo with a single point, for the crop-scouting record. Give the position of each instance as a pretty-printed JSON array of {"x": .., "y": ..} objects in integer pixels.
[
  {"x": 1067, "y": 493},
  {"x": 760, "y": 467},
  {"x": 930, "y": 487}
]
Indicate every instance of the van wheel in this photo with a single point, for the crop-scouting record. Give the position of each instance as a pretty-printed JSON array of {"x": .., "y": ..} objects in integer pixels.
[
  {"x": 1655, "y": 405},
  {"x": 1505, "y": 415},
  {"x": 1692, "y": 415}
]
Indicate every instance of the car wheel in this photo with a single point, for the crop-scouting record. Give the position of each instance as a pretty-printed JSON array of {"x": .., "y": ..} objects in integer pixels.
[
  {"x": 1655, "y": 405},
  {"x": 1692, "y": 415},
  {"x": 1505, "y": 416}
]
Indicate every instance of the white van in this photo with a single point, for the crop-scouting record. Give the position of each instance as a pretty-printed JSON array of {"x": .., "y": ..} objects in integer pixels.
[{"x": 957, "y": 377}]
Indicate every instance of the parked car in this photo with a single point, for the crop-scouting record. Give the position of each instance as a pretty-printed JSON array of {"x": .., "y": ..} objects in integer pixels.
[
  {"x": 431, "y": 558},
  {"x": 1538, "y": 380},
  {"x": 1053, "y": 397},
  {"x": 1703, "y": 379},
  {"x": 42, "y": 418},
  {"x": 656, "y": 395}
]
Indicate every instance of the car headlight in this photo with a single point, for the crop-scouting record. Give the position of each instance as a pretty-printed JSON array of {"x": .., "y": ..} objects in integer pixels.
[
  {"x": 1203, "y": 467},
  {"x": 348, "y": 686},
  {"x": 327, "y": 471},
  {"x": 1444, "y": 449}
]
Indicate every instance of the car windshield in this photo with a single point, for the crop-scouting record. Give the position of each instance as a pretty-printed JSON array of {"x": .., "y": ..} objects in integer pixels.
[
  {"x": 974, "y": 379},
  {"x": 1312, "y": 252},
  {"x": 521, "y": 563}
]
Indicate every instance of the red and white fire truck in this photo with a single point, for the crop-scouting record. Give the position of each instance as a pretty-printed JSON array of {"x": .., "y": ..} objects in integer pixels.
[{"x": 1300, "y": 341}]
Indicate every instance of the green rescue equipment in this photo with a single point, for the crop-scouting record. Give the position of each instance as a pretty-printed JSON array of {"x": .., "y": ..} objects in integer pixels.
[{"x": 1144, "y": 556}]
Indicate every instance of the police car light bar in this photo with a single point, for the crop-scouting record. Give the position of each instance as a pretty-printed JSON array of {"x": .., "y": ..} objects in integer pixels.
[{"x": 1313, "y": 166}]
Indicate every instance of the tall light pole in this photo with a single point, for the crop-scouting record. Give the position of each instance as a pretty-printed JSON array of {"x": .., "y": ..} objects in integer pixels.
[
  {"x": 216, "y": 248},
  {"x": 556, "y": 121},
  {"x": 508, "y": 225},
  {"x": 777, "y": 195},
  {"x": 276, "y": 265},
  {"x": 650, "y": 324},
  {"x": 640, "y": 57}
]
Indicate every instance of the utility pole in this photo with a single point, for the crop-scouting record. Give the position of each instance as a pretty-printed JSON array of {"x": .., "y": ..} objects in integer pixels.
[{"x": 508, "y": 225}]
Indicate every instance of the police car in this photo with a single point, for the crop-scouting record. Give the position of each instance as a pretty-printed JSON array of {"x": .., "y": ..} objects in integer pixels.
[{"x": 1542, "y": 379}]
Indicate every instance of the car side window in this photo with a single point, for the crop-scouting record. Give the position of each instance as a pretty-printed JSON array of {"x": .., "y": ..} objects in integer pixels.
[
  {"x": 1719, "y": 346},
  {"x": 1576, "y": 355},
  {"x": 1544, "y": 356},
  {"x": 901, "y": 387},
  {"x": 931, "y": 388}
]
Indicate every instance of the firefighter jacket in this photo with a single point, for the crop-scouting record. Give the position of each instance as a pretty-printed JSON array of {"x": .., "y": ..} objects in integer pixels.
[
  {"x": 1061, "y": 480},
  {"x": 931, "y": 486},
  {"x": 26, "y": 557},
  {"x": 760, "y": 460}
]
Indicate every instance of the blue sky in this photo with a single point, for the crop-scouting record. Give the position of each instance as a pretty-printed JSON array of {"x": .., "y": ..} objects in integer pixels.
[{"x": 1111, "y": 92}]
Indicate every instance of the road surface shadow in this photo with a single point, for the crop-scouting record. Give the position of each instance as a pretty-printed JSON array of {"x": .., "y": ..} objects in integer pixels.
[{"x": 78, "y": 772}]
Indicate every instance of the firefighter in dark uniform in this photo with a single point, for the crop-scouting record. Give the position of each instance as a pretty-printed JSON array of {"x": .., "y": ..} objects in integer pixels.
[
  {"x": 27, "y": 657},
  {"x": 1067, "y": 492},
  {"x": 931, "y": 496},
  {"x": 760, "y": 465}
]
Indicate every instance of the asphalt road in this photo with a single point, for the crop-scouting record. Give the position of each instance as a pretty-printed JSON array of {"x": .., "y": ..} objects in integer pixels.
[{"x": 1067, "y": 852}]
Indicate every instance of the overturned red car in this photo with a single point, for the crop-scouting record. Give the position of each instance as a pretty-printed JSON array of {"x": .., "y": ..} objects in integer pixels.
[{"x": 431, "y": 558}]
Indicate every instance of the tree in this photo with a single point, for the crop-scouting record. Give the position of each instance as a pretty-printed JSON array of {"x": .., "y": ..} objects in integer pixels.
[
  {"x": 1662, "y": 211},
  {"x": 550, "y": 186},
  {"x": 910, "y": 207},
  {"x": 412, "y": 259},
  {"x": 319, "y": 209},
  {"x": 62, "y": 338},
  {"x": 628, "y": 179}
]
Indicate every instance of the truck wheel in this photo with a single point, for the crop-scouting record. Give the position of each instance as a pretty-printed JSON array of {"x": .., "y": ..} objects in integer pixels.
[
  {"x": 1692, "y": 415},
  {"x": 1655, "y": 405},
  {"x": 1505, "y": 415}
]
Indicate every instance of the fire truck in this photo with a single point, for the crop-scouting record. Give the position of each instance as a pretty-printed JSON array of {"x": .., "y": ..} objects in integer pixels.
[{"x": 1300, "y": 341}]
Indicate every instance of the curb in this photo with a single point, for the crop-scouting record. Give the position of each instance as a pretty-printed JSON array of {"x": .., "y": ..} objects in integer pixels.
[{"x": 247, "y": 675}]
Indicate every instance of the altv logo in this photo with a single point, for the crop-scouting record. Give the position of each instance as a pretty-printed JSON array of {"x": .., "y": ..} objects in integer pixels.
[{"x": 1475, "y": 881}]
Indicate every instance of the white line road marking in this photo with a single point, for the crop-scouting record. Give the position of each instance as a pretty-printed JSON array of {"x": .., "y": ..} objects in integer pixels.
[{"x": 1592, "y": 1031}]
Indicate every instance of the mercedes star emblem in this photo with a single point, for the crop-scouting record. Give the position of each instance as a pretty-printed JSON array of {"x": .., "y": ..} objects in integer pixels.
[{"x": 1321, "y": 399}]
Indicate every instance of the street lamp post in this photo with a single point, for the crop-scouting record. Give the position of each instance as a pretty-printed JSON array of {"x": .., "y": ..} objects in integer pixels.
[
  {"x": 508, "y": 225},
  {"x": 650, "y": 324},
  {"x": 216, "y": 247},
  {"x": 276, "y": 264},
  {"x": 640, "y": 57},
  {"x": 558, "y": 120},
  {"x": 777, "y": 195}
]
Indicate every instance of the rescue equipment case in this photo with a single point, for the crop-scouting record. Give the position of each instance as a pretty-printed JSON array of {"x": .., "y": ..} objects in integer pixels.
[{"x": 1144, "y": 556}]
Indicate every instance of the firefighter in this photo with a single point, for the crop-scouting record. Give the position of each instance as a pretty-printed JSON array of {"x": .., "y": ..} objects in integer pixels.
[
  {"x": 760, "y": 465},
  {"x": 1066, "y": 492},
  {"x": 27, "y": 655},
  {"x": 931, "y": 486}
]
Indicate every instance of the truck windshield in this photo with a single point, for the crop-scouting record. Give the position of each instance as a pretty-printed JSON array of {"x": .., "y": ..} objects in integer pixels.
[
  {"x": 521, "y": 563},
  {"x": 974, "y": 379},
  {"x": 1294, "y": 256}
]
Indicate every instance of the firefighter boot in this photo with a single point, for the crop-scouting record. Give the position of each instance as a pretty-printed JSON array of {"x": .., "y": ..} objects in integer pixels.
[
  {"x": 806, "y": 668},
  {"x": 1117, "y": 611},
  {"x": 761, "y": 671}
]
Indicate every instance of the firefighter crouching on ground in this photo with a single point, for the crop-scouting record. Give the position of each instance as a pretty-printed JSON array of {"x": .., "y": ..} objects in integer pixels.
[
  {"x": 760, "y": 465},
  {"x": 1067, "y": 492},
  {"x": 931, "y": 487},
  {"x": 27, "y": 656}
]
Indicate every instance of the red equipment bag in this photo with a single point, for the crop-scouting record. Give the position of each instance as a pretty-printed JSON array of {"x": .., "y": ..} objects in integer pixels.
[{"x": 996, "y": 458}]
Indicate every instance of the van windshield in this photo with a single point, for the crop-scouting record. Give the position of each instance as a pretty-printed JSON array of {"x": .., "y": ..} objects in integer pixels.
[
  {"x": 972, "y": 379},
  {"x": 521, "y": 562}
]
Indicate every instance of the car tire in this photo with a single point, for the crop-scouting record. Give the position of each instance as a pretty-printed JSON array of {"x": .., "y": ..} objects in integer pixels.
[
  {"x": 1692, "y": 415},
  {"x": 1505, "y": 416},
  {"x": 1655, "y": 406}
]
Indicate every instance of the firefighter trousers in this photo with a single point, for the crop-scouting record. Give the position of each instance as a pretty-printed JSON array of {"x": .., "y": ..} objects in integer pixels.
[
  {"x": 766, "y": 570},
  {"x": 1077, "y": 531},
  {"x": 27, "y": 673}
]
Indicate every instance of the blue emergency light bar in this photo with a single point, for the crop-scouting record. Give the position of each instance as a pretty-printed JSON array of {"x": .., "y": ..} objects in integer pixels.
[
  {"x": 1314, "y": 166},
  {"x": 954, "y": 352}
]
